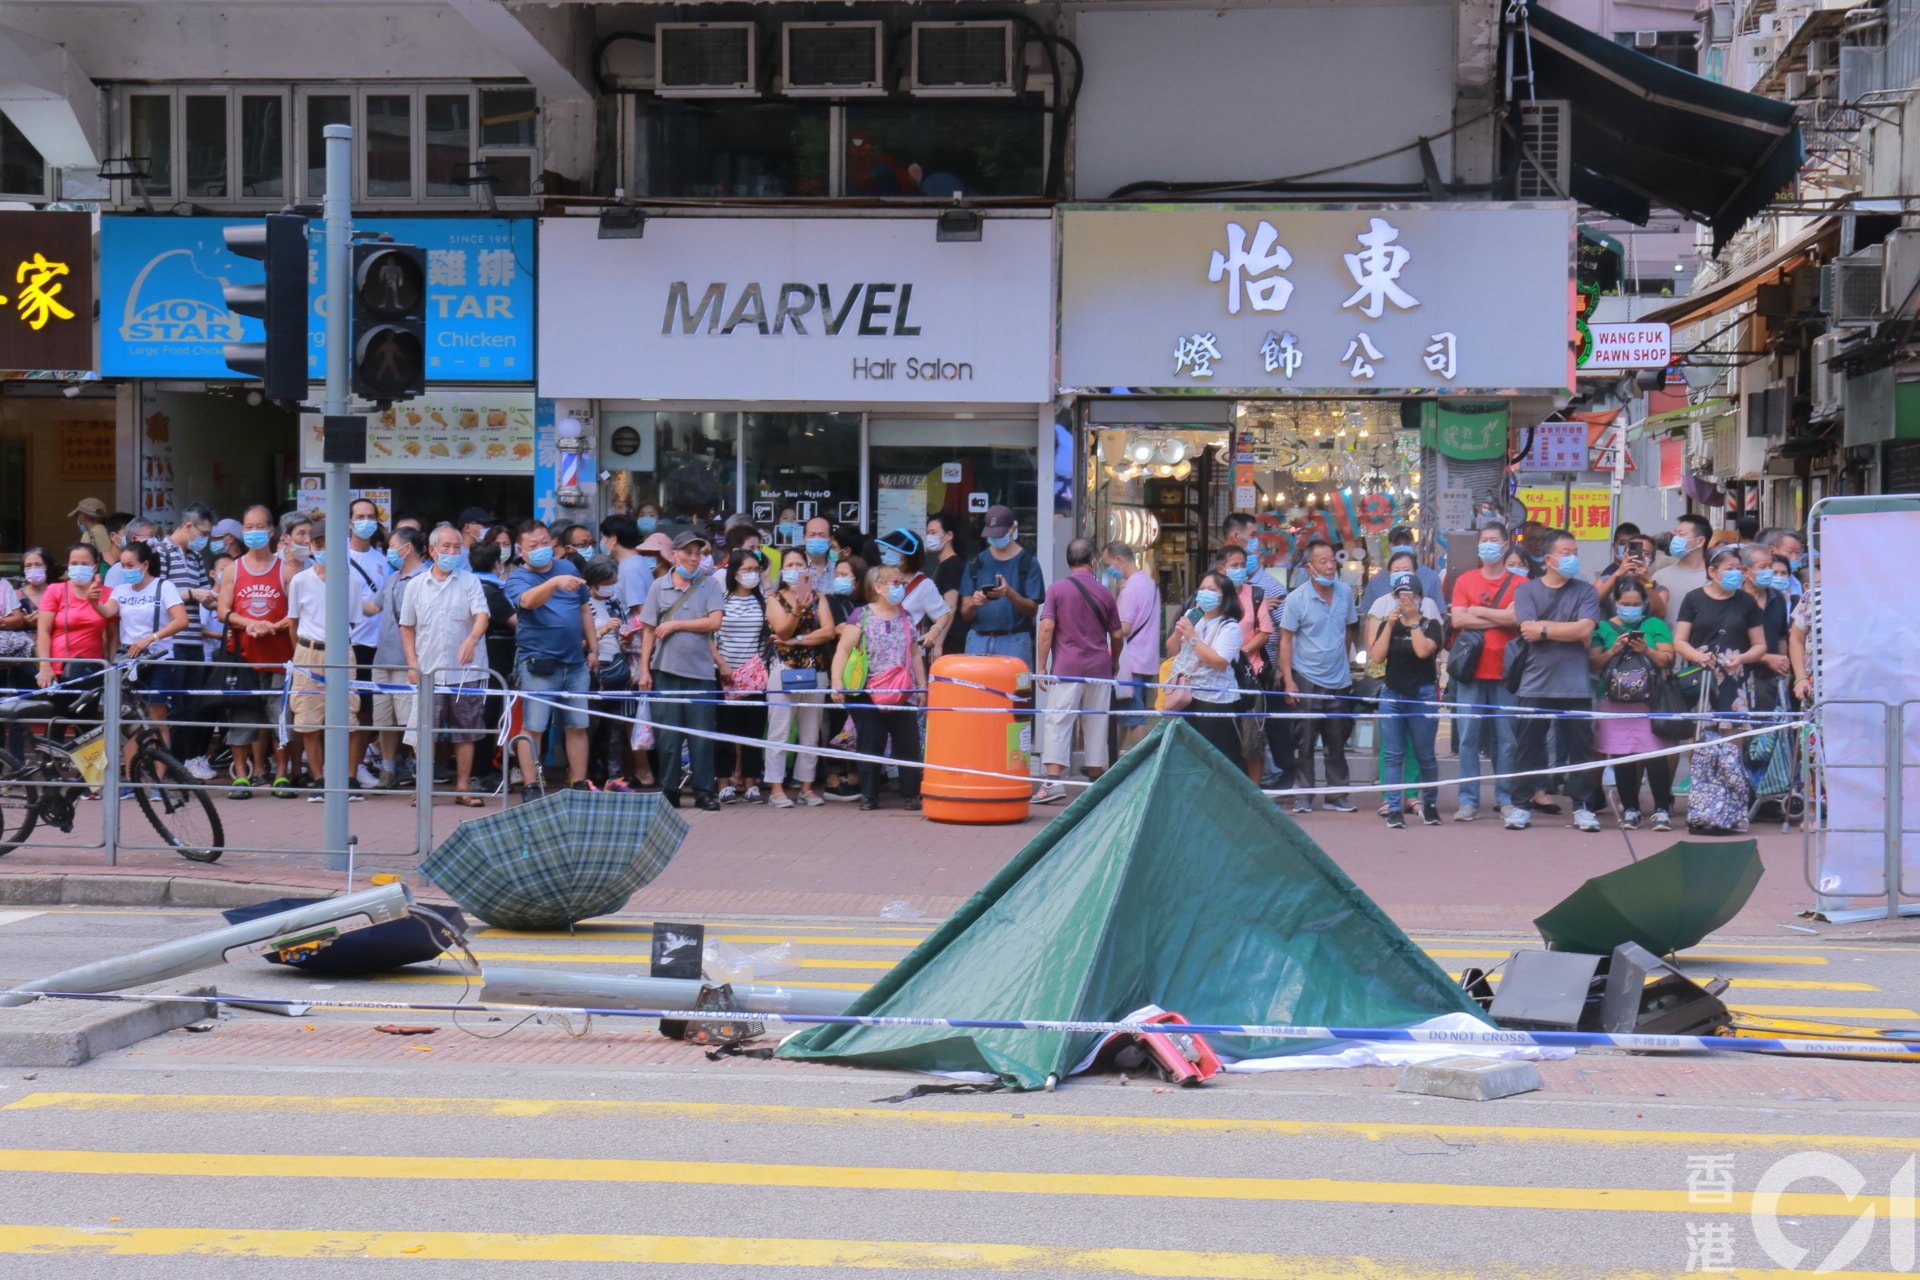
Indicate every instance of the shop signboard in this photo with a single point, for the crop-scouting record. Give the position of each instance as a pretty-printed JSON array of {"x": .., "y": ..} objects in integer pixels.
[
  {"x": 313, "y": 498},
  {"x": 1628, "y": 346},
  {"x": 162, "y": 314},
  {"x": 1469, "y": 430},
  {"x": 46, "y": 291},
  {"x": 461, "y": 432},
  {"x": 87, "y": 451},
  {"x": 821, "y": 310},
  {"x": 1557, "y": 446},
  {"x": 1471, "y": 300},
  {"x": 1585, "y": 513}
]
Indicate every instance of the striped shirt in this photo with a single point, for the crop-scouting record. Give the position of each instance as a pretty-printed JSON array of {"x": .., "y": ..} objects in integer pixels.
[
  {"x": 743, "y": 628},
  {"x": 186, "y": 570}
]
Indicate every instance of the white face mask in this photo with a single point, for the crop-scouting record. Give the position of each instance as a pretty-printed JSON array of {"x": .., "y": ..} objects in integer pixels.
[{"x": 748, "y": 580}]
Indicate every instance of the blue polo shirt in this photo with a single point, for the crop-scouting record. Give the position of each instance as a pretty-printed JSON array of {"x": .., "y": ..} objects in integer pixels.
[
  {"x": 999, "y": 616},
  {"x": 553, "y": 629},
  {"x": 1319, "y": 630}
]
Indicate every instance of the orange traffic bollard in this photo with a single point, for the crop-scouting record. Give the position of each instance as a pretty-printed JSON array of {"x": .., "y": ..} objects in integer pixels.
[{"x": 982, "y": 736}]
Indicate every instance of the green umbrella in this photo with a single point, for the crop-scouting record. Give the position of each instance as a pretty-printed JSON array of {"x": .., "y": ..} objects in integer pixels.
[
  {"x": 562, "y": 858},
  {"x": 1666, "y": 903}
]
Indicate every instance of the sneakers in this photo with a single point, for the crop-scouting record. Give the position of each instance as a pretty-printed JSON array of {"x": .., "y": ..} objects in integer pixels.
[
  {"x": 1466, "y": 813},
  {"x": 1340, "y": 805},
  {"x": 843, "y": 791},
  {"x": 752, "y": 794},
  {"x": 1586, "y": 820},
  {"x": 1050, "y": 793},
  {"x": 531, "y": 792},
  {"x": 1303, "y": 806},
  {"x": 779, "y": 800},
  {"x": 1630, "y": 820},
  {"x": 1430, "y": 814},
  {"x": 1662, "y": 820},
  {"x": 868, "y": 804},
  {"x": 201, "y": 768},
  {"x": 812, "y": 799},
  {"x": 729, "y": 796},
  {"x": 242, "y": 788},
  {"x": 913, "y": 804},
  {"x": 1515, "y": 818},
  {"x": 367, "y": 778},
  {"x": 1396, "y": 820}
]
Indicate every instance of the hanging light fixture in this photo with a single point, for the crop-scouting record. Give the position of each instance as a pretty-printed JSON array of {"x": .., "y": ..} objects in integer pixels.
[
  {"x": 1140, "y": 450},
  {"x": 1171, "y": 450}
]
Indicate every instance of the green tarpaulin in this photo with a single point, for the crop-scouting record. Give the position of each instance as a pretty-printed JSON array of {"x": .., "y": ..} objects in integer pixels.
[{"x": 1171, "y": 881}]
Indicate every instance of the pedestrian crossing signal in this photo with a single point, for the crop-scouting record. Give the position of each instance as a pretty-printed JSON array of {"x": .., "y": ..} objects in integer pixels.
[{"x": 389, "y": 321}]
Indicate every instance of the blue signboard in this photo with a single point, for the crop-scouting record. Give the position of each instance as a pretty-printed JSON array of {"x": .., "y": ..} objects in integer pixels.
[{"x": 162, "y": 315}]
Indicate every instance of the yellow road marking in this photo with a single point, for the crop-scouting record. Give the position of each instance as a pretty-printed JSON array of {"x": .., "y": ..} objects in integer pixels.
[
  {"x": 722, "y": 1251},
  {"x": 599, "y": 1109},
  {"x": 621, "y": 958},
  {"x": 625, "y": 935},
  {"x": 206, "y": 1164},
  {"x": 1754, "y": 984},
  {"x": 454, "y": 979},
  {"x": 1475, "y": 953},
  {"x": 1826, "y": 1011}
]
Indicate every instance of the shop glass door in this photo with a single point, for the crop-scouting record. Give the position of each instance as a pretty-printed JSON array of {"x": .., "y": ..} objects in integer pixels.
[
  {"x": 799, "y": 466},
  {"x": 955, "y": 468}
]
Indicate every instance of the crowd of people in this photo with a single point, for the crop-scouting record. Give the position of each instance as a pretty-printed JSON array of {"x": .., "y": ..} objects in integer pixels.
[{"x": 715, "y": 663}]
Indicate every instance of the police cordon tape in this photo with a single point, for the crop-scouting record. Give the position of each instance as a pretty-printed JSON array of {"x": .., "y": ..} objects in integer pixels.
[{"x": 1492, "y": 1036}]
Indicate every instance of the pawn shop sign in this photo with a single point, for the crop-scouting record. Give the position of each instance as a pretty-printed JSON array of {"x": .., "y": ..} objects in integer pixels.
[
  {"x": 1629, "y": 346},
  {"x": 47, "y": 292}
]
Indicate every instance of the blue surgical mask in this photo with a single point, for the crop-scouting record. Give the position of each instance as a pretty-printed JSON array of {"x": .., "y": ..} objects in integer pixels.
[
  {"x": 1206, "y": 599},
  {"x": 394, "y": 558},
  {"x": 256, "y": 538},
  {"x": 1253, "y": 548},
  {"x": 1569, "y": 566},
  {"x": 1796, "y": 562},
  {"x": 650, "y": 563},
  {"x": 121, "y": 576},
  {"x": 318, "y": 555},
  {"x": 1678, "y": 547},
  {"x": 1112, "y": 577},
  {"x": 896, "y": 593},
  {"x": 1236, "y": 576},
  {"x": 1319, "y": 581},
  {"x": 197, "y": 543},
  {"x": 817, "y": 546},
  {"x": 843, "y": 586},
  {"x": 1763, "y": 578},
  {"x": 451, "y": 562},
  {"x": 790, "y": 576},
  {"x": 540, "y": 557},
  {"x": 1732, "y": 579},
  {"x": 1632, "y": 612},
  {"x": 1004, "y": 540},
  {"x": 365, "y": 528},
  {"x": 890, "y": 557},
  {"x": 1489, "y": 552},
  {"x": 80, "y": 574},
  {"x": 647, "y": 524},
  {"x": 1516, "y": 571}
]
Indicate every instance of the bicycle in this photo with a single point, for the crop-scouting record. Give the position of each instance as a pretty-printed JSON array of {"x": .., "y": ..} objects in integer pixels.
[{"x": 45, "y": 785}]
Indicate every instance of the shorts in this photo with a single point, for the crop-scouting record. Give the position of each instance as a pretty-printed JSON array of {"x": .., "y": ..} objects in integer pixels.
[
  {"x": 460, "y": 712},
  {"x": 309, "y": 694},
  {"x": 568, "y": 680},
  {"x": 392, "y": 710},
  {"x": 156, "y": 683}
]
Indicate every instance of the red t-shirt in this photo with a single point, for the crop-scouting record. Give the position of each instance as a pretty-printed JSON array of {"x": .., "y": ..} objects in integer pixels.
[
  {"x": 1472, "y": 588},
  {"x": 79, "y": 630}
]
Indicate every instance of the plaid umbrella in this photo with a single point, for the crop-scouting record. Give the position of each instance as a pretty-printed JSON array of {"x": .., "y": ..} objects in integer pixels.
[{"x": 563, "y": 858}]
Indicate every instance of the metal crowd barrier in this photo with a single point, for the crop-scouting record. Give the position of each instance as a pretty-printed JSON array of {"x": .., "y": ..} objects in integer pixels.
[{"x": 1820, "y": 770}]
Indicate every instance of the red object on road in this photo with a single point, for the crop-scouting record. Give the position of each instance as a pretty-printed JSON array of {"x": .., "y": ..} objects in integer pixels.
[{"x": 1184, "y": 1057}]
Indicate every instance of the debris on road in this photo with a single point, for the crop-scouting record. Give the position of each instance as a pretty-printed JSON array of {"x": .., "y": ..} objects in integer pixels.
[
  {"x": 394, "y": 1029},
  {"x": 1666, "y": 902},
  {"x": 414, "y": 939}
]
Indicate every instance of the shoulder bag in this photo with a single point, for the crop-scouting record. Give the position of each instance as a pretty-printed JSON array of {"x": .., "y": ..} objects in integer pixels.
[{"x": 1463, "y": 656}]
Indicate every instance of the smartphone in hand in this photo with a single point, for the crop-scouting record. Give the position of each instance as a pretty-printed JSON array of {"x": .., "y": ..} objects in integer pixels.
[{"x": 1195, "y": 614}]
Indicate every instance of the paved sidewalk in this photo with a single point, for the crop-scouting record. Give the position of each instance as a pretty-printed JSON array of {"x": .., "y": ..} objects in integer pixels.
[{"x": 837, "y": 861}]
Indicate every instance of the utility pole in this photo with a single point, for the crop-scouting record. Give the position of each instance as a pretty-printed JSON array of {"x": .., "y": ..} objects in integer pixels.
[{"x": 339, "y": 662}]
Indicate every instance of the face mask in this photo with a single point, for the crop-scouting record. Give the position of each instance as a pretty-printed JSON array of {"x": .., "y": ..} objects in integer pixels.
[
  {"x": 889, "y": 558},
  {"x": 647, "y": 524},
  {"x": 507, "y": 556},
  {"x": 197, "y": 543},
  {"x": 706, "y": 564},
  {"x": 394, "y": 558},
  {"x": 1004, "y": 540},
  {"x": 121, "y": 576},
  {"x": 1569, "y": 566},
  {"x": 843, "y": 586},
  {"x": 540, "y": 557},
  {"x": 787, "y": 532},
  {"x": 816, "y": 546},
  {"x": 748, "y": 580},
  {"x": 1632, "y": 612},
  {"x": 365, "y": 528},
  {"x": 450, "y": 563},
  {"x": 1763, "y": 578},
  {"x": 1236, "y": 576},
  {"x": 896, "y": 593},
  {"x": 681, "y": 571},
  {"x": 319, "y": 555},
  {"x": 80, "y": 574},
  {"x": 1732, "y": 579},
  {"x": 650, "y": 563},
  {"x": 1516, "y": 571},
  {"x": 1112, "y": 576},
  {"x": 789, "y": 576},
  {"x": 1253, "y": 548},
  {"x": 1796, "y": 562},
  {"x": 1319, "y": 581},
  {"x": 934, "y": 541},
  {"x": 299, "y": 550},
  {"x": 1489, "y": 552},
  {"x": 1206, "y": 600},
  {"x": 1678, "y": 547},
  {"x": 255, "y": 538},
  {"x": 35, "y": 576},
  {"x": 80, "y": 524}
]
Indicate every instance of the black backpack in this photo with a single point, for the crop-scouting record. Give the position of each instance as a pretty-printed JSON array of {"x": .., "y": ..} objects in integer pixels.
[{"x": 1630, "y": 677}]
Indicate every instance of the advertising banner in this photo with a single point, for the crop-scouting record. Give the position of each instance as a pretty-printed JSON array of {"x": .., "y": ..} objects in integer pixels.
[
  {"x": 464, "y": 432},
  {"x": 46, "y": 291}
]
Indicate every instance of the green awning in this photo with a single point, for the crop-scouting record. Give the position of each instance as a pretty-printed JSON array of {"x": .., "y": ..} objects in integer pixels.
[{"x": 1712, "y": 153}]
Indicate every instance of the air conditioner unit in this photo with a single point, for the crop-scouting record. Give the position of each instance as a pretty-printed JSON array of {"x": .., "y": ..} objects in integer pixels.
[
  {"x": 1546, "y": 169},
  {"x": 970, "y": 59},
  {"x": 705, "y": 60},
  {"x": 1868, "y": 404},
  {"x": 832, "y": 59},
  {"x": 1900, "y": 257},
  {"x": 1796, "y": 85},
  {"x": 1827, "y": 381},
  {"x": 1722, "y": 15},
  {"x": 1862, "y": 71},
  {"x": 1855, "y": 296},
  {"x": 1646, "y": 39},
  {"x": 1767, "y": 412}
]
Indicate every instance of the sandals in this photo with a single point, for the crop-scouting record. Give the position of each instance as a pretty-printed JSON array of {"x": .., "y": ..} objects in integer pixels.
[{"x": 469, "y": 802}]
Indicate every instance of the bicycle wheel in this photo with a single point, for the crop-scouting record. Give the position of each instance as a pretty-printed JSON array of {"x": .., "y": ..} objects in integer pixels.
[
  {"x": 181, "y": 811},
  {"x": 19, "y": 808}
]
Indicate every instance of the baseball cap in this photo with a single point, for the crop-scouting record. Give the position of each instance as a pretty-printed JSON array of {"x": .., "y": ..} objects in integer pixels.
[
  {"x": 228, "y": 528},
  {"x": 89, "y": 507},
  {"x": 999, "y": 520},
  {"x": 688, "y": 538},
  {"x": 318, "y": 531},
  {"x": 475, "y": 515}
]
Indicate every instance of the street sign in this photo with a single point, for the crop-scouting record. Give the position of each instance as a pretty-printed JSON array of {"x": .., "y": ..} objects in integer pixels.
[
  {"x": 1557, "y": 446},
  {"x": 1629, "y": 346}
]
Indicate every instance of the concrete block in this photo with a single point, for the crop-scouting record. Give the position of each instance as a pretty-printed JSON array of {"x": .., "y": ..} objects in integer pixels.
[
  {"x": 114, "y": 891},
  {"x": 31, "y": 891},
  {"x": 1469, "y": 1078},
  {"x": 187, "y": 891},
  {"x": 66, "y": 1033}
]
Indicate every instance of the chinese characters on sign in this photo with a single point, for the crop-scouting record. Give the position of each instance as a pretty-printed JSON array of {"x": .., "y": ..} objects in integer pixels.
[
  {"x": 46, "y": 292},
  {"x": 1376, "y": 269},
  {"x": 1196, "y": 354},
  {"x": 1557, "y": 446},
  {"x": 86, "y": 451},
  {"x": 1585, "y": 513},
  {"x": 1281, "y": 354},
  {"x": 1267, "y": 292},
  {"x": 1710, "y": 1182}
]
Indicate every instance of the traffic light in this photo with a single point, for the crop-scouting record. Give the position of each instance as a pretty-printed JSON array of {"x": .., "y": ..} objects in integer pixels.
[
  {"x": 389, "y": 321},
  {"x": 281, "y": 361}
]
